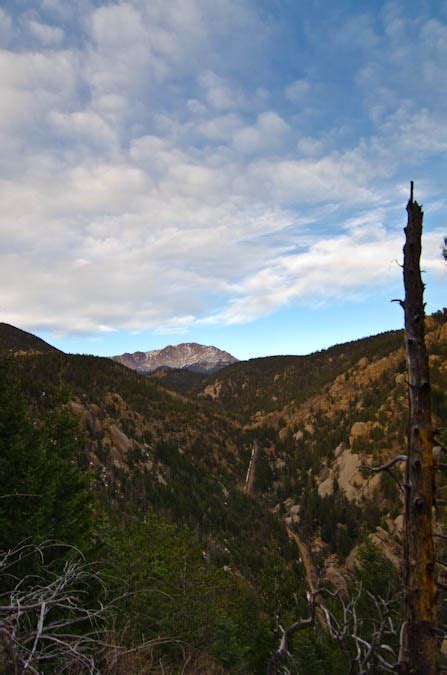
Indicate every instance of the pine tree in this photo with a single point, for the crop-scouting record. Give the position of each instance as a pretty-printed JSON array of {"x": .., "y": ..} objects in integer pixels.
[{"x": 43, "y": 494}]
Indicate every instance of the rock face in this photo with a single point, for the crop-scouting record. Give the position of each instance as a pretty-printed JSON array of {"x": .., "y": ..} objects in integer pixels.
[
  {"x": 346, "y": 471},
  {"x": 188, "y": 355}
]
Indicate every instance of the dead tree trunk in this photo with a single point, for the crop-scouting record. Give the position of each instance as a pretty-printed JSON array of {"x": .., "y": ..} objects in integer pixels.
[{"x": 419, "y": 649}]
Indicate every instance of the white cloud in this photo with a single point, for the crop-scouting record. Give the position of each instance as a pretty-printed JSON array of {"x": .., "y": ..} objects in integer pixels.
[
  {"x": 144, "y": 184},
  {"x": 340, "y": 177},
  {"x": 32, "y": 84},
  {"x": 339, "y": 267},
  {"x": 117, "y": 26},
  {"x": 268, "y": 134},
  {"x": 85, "y": 126},
  {"x": 218, "y": 93},
  {"x": 419, "y": 132},
  {"x": 221, "y": 128},
  {"x": 48, "y": 36}
]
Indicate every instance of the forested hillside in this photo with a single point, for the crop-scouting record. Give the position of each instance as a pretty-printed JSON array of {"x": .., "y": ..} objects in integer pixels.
[
  {"x": 152, "y": 467},
  {"x": 16, "y": 341},
  {"x": 198, "y": 571}
]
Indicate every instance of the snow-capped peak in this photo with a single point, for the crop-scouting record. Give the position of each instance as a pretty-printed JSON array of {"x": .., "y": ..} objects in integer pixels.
[{"x": 189, "y": 355}]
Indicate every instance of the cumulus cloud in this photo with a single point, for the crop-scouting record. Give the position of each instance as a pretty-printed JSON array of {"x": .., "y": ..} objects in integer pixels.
[
  {"x": 147, "y": 182},
  {"x": 218, "y": 93},
  {"x": 268, "y": 134}
]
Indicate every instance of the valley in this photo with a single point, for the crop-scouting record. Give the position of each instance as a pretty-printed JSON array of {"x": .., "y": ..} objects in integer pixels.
[{"x": 258, "y": 472}]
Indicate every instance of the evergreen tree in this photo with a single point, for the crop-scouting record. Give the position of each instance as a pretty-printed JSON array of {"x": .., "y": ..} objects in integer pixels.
[
  {"x": 169, "y": 590},
  {"x": 43, "y": 493}
]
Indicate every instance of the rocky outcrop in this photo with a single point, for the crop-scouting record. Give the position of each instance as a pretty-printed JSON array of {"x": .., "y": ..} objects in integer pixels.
[
  {"x": 112, "y": 455},
  {"x": 388, "y": 540},
  {"x": 346, "y": 470}
]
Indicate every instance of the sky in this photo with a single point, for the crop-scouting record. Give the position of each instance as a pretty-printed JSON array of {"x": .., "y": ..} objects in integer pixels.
[{"x": 229, "y": 172}]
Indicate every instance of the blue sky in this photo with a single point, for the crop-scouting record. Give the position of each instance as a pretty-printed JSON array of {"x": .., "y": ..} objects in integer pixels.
[{"x": 230, "y": 172}]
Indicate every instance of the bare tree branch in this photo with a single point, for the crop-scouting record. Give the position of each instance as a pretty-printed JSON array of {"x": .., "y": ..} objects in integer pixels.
[
  {"x": 43, "y": 618},
  {"x": 384, "y": 467},
  {"x": 363, "y": 655}
]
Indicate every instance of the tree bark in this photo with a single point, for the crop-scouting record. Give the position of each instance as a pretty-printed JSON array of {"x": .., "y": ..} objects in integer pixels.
[{"x": 419, "y": 649}]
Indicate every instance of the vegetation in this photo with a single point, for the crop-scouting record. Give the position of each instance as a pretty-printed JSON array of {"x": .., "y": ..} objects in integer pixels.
[
  {"x": 268, "y": 384},
  {"x": 147, "y": 484},
  {"x": 14, "y": 340},
  {"x": 44, "y": 495},
  {"x": 203, "y": 586}
]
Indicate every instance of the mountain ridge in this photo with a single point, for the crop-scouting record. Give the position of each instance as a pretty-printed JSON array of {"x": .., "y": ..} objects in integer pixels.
[
  {"x": 186, "y": 355},
  {"x": 18, "y": 341}
]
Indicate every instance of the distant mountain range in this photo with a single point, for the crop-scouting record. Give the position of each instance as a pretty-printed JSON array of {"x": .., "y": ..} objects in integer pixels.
[
  {"x": 188, "y": 356},
  {"x": 185, "y": 356}
]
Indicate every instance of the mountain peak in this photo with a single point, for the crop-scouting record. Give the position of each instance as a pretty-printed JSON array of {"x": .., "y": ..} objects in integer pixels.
[{"x": 186, "y": 355}]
